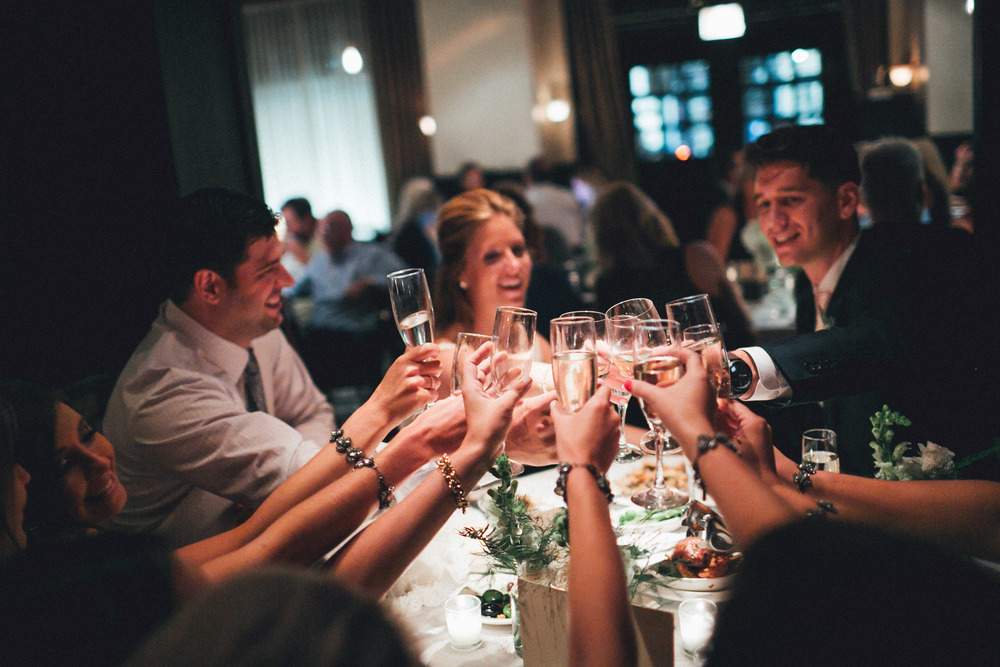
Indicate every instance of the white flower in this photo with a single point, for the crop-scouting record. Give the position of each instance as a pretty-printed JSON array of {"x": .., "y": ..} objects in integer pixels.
[{"x": 934, "y": 458}]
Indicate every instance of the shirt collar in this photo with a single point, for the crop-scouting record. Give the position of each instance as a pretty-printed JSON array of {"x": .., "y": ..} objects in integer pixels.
[
  {"x": 832, "y": 276},
  {"x": 229, "y": 356}
]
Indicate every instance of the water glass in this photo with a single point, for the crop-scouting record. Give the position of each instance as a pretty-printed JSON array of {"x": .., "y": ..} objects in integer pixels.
[
  {"x": 819, "y": 446},
  {"x": 696, "y": 618},
  {"x": 464, "y": 620}
]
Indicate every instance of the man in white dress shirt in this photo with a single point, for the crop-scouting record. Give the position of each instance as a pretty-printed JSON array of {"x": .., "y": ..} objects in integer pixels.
[{"x": 194, "y": 446}]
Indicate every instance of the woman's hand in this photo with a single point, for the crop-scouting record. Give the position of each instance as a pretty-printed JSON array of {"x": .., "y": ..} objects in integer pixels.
[
  {"x": 488, "y": 418},
  {"x": 532, "y": 437},
  {"x": 687, "y": 407},
  {"x": 590, "y": 435},
  {"x": 410, "y": 383}
]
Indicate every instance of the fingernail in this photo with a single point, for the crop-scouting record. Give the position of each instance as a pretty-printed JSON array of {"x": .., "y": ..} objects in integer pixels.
[{"x": 627, "y": 385}]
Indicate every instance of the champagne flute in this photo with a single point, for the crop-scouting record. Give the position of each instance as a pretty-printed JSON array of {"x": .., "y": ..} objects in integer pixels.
[
  {"x": 638, "y": 308},
  {"x": 696, "y": 310},
  {"x": 574, "y": 360},
  {"x": 620, "y": 330},
  {"x": 411, "y": 306},
  {"x": 464, "y": 344},
  {"x": 513, "y": 340},
  {"x": 655, "y": 363}
]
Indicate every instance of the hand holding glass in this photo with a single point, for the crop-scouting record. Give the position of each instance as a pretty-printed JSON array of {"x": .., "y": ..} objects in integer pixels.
[
  {"x": 464, "y": 344},
  {"x": 695, "y": 311},
  {"x": 513, "y": 342}
]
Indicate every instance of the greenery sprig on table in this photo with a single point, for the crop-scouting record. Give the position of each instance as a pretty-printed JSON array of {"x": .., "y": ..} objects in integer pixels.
[{"x": 518, "y": 542}]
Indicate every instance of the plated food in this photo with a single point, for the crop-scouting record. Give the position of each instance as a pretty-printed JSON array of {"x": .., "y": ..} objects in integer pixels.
[
  {"x": 692, "y": 566},
  {"x": 642, "y": 478}
]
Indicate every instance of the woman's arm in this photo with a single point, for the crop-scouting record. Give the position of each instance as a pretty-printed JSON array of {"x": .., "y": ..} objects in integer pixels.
[
  {"x": 379, "y": 554},
  {"x": 599, "y": 634},
  {"x": 309, "y": 529},
  {"x": 409, "y": 384},
  {"x": 756, "y": 492}
]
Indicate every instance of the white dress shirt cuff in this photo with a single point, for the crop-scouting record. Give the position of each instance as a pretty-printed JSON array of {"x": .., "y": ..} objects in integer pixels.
[{"x": 772, "y": 384}]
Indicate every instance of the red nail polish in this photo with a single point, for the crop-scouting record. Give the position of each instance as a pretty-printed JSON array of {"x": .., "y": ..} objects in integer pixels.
[{"x": 627, "y": 385}]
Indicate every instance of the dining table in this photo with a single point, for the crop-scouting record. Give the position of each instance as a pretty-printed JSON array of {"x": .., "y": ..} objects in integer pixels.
[{"x": 452, "y": 563}]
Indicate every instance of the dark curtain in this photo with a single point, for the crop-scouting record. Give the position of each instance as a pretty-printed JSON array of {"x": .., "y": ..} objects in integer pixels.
[
  {"x": 399, "y": 89},
  {"x": 866, "y": 33},
  {"x": 605, "y": 139}
]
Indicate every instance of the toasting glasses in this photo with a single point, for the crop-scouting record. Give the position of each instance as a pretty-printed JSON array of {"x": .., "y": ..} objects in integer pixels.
[
  {"x": 513, "y": 340},
  {"x": 464, "y": 344},
  {"x": 411, "y": 306},
  {"x": 655, "y": 363}
]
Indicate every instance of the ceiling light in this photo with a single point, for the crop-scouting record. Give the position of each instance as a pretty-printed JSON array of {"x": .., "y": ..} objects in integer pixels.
[
  {"x": 428, "y": 126},
  {"x": 351, "y": 60},
  {"x": 721, "y": 22}
]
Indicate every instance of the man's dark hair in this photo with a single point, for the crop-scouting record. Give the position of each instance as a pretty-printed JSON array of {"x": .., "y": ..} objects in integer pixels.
[
  {"x": 827, "y": 156},
  {"x": 300, "y": 205},
  {"x": 211, "y": 229}
]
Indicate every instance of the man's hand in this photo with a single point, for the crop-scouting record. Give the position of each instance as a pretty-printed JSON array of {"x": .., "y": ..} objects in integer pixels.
[
  {"x": 410, "y": 383},
  {"x": 753, "y": 371},
  {"x": 532, "y": 437},
  {"x": 489, "y": 418}
]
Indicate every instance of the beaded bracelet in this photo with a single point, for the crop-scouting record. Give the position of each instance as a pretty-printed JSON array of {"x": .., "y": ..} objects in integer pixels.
[
  {"x": 357, "y": 458},
  {"x": 706, "y": 443},
  {"x": 602, "y": 481},
  {"x": 823, "y": 507},
  {"x": 454, "y": 484},
  {"x": 806, "y": 468}
]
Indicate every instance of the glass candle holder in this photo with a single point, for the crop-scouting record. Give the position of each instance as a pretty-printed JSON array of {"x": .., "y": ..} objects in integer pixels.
[
  {"x": 465, "y": 622},
  {"x": 696, "y": 619}
]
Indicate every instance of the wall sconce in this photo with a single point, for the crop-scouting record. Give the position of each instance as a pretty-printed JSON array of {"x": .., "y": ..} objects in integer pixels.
[
  {"x": 901, "y": 75},
  {"x": 428, "y": 126},
  {"x": 557, "y": 111},
  {"x": 721, "y": 22}
]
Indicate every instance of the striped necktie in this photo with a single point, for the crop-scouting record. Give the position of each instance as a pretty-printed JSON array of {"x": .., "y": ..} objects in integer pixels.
[{"x": 253, "y": 386}]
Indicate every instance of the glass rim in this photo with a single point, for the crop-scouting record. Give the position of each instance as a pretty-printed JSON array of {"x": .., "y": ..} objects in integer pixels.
[
  {"x": 652, "y": 306},
  {"x": 688, "y": 299},
  {"x": 403, "y": 273},
  {"x": 570, "y": 320},
  {"x": 584, "y": 313},
  {"x": 656, "y": 323},
  {"x": 819, "y": 433},
  {"x": 468, "y": 335},
  {"x": 517, "y": 309}
]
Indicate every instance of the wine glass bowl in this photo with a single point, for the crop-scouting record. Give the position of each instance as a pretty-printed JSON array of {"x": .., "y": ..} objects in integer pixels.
[
  {"x": 574, "y": 360},
  {"x": 411, "y": 306},
  {"x": 512, "y": 354},
  {"x": 464, "y": 344},
  {"x": 620, "y": 332},
  {"x": 702, "y": 334}
]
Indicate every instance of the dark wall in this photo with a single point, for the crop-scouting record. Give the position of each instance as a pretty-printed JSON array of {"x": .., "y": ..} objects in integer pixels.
[{"x": 87, "y": 167}]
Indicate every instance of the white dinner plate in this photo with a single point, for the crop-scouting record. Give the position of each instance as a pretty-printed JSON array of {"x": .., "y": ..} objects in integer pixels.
[
  {"x": 698, "y": 584},
  {"x": 496, "y": 621}
]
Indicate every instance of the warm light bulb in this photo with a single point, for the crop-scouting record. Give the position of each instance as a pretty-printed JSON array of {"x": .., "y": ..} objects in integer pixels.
[
  {"x": 557, "y": 111},
  {"x": 683, "y": 152},
  {"x": 351, "y": 60},
  {"x": 428, "y": 126},
  {"x": 901, "y": 75}
]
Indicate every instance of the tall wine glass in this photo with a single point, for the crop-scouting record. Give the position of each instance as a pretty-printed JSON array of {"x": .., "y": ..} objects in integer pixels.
[
  {"x": 513, "y": 339},
  {"x": 655, "y": 363},
  {"x": 411, "y": 306},
  {"x": 696, "y": 311},
  {"x": 464, "y": 344},
  {"x": 639, "y": 309},
  {"x": 620, "y": 332},
  {"x": 574, "y": 360}
]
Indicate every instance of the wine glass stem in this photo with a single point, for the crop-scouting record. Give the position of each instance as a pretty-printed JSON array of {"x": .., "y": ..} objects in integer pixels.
[
  {"x": 660, "y": 484},
  {"x": 622, "y": 442}
]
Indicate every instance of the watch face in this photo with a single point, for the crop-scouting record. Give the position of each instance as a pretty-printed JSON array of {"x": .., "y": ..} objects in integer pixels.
[{"x": 740, "y": 375}]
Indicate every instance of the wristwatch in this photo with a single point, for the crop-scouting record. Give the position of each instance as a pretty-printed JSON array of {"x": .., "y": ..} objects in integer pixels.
[{"x": 740, "y": 376}]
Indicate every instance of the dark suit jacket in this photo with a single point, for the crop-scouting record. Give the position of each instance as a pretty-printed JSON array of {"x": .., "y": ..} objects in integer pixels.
[{"x": 905, "y": 334}]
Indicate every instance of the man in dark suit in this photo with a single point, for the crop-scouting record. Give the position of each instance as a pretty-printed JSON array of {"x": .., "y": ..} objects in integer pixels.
[{"x": 885, "y": 316}]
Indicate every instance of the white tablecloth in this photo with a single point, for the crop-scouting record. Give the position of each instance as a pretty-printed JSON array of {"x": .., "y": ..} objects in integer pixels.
[{"x": 450, "y": 562}]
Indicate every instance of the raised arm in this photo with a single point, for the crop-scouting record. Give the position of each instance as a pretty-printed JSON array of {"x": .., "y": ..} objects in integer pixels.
[
  {"x": 599, "y": 634},
  {"x": 377, "y": 556}
]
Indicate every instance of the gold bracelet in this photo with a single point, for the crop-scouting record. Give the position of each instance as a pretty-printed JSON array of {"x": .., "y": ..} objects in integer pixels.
[{"x": 454, "y": 484}]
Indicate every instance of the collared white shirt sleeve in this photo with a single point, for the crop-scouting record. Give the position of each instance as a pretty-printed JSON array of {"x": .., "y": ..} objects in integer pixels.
[{"x": 772, "y": 383}]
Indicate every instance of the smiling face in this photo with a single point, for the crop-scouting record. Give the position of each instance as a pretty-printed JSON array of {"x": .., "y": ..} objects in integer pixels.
[
  {"x": 496, "y": 267},
  {"x": 86, "y": 462},
  {"x": 250, "y": 303},
  {"x": 806, "y": 223}
]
